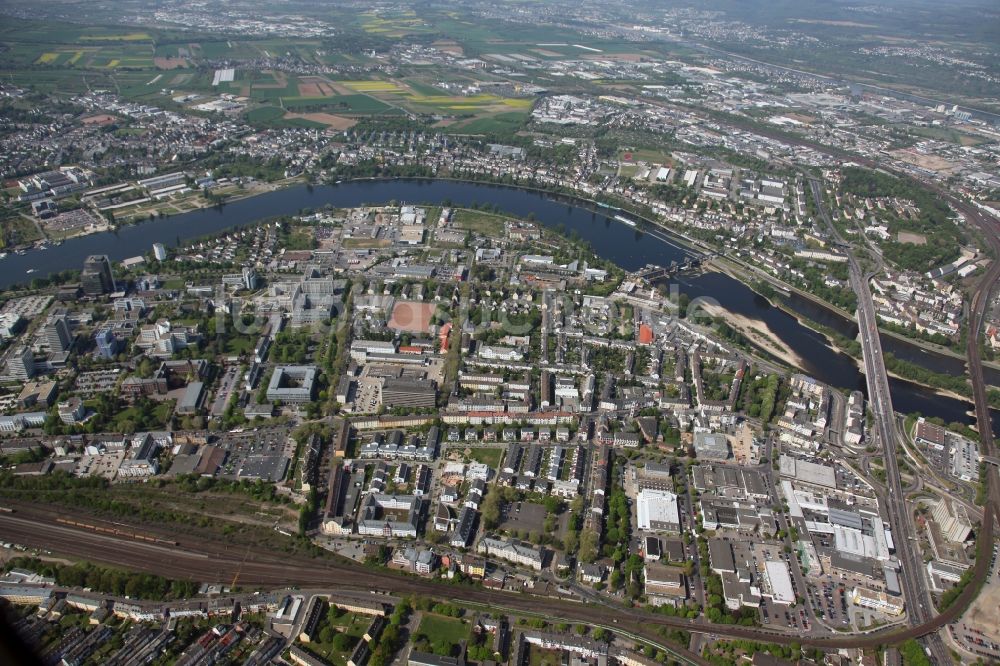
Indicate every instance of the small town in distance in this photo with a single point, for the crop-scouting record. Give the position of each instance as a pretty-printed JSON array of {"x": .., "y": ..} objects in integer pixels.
[{"x": 527, "y": 335}]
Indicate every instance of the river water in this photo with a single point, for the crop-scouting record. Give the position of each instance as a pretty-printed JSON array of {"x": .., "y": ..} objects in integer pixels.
[{"x": 626, "y": 246}]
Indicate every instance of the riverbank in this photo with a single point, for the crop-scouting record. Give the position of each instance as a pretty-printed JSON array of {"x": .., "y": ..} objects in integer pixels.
[
  {"x": 758, "y": 333},
  {"x": 627, "y": 247},
  {"x": 738, "y": 270},
  {"x": 853, "y": 354},
  {"x": 198, "y": 202}
]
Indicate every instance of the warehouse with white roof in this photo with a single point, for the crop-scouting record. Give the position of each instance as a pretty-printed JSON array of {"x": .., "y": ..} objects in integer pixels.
[
  {"x": 657, "y": 511},
  {"x": 780, "y": 582}
]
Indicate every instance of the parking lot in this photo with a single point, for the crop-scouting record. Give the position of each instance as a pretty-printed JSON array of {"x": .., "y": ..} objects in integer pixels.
[
  {"x": 229, "y": 381},
  {"x": 522, "y": 516},
  {"x": 368, "y": 396}
]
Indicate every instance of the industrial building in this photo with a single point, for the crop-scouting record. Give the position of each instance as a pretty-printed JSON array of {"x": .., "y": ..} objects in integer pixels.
[{"x": 657, "y": 511}]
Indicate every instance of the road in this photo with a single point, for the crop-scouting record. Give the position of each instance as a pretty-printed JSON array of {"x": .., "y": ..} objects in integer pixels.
[{"x": 915, "y": 590}]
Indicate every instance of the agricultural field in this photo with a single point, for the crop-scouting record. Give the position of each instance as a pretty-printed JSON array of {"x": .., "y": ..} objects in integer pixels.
[
  {"x": 338, "y": 104},
  {"x": 543, "y": 43},
  {"x": 393, "y": 24},
  {"x": 57, "y": 46},
  {"x": 155, "y": 67}
]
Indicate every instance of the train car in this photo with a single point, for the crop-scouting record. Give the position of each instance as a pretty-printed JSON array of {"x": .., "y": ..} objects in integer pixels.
[{"x": 138, "y": 536}]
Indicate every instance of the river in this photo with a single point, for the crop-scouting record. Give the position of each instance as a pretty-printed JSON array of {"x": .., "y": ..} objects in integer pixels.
[{"x": 626, "y": 246}]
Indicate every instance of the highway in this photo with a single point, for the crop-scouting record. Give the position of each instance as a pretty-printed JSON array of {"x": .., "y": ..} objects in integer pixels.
[{"x": 918, "y": 599}]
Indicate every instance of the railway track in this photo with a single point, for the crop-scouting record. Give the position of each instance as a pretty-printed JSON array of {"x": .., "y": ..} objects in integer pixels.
[{"x": 208, "y": 561}]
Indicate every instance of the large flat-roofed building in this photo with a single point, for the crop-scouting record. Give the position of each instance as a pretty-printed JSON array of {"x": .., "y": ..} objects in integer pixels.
[
  {"x": 192, "y": 398},
  {"x": 40, "y": 393},
  {"x": 292, "y": 384},
  {"x": 720, "y": 554},
  {"x": 729, "y": 481},
  {"x": 719, "y": 513},
  {"x": 657, "y": 510},
  {"x": 497, "y": 353},
  {"x": 711, "y": 446},
  {"x": 780, "y": 582},
  {"x": 811, "y": 473},
  {"x": 25, "y": 594},
  {"x": 879, "y": 601},
  {"x": 847, "y": 563},
  {"x": 360, "y": 349},
  {"x": 401, "y": 392},
  {"x": 665, "y": 584},
  {"x": 930, "y": 434}
]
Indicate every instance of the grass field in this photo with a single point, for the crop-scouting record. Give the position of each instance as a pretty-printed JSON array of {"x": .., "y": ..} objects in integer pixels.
[
  {"x": 439, "y": 627},
  {"x": 487, "y": 224},
  {"x": 264, "y": 114},
  {"x": 352, "y": 624},
  {"x": 304, "y": 122},
  {"x": 645, "y": 155},
  {"x": 355, "y": 104},
  {"x": 946, "y": 134},
  {"x": 240, "y": 345},
  {"x": 15, "y": 229},
  {"x": 500, "y": 123},
  {"x": 487, "y": 456}
]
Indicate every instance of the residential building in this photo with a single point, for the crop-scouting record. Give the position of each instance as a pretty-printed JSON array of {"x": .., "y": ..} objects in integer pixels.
[{"x": 512, "y": 551}]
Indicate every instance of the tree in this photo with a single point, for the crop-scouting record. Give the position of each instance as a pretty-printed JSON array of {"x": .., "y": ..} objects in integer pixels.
[
  {"x": 588, "y": 545},
  {"x": 491, "y": 508}
]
